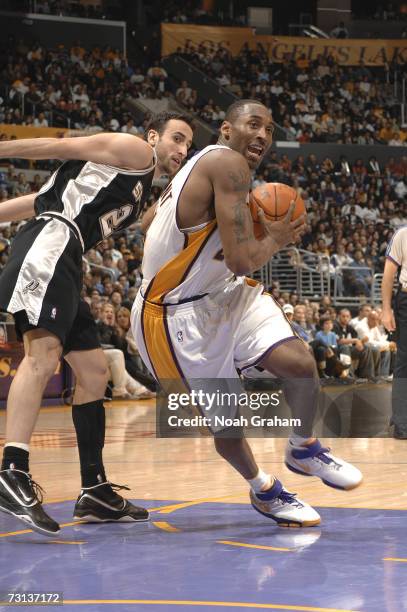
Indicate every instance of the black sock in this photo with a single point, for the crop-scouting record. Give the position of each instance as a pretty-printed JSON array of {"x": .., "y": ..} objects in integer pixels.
[
  {"x": 89, "y": 422},
  {"x": 15, "y": 458}
]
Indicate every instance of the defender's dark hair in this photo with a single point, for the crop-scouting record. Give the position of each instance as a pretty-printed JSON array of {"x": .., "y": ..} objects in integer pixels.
[
  {"x": 159, "y": 121},
  {"x": 237, "y": 107}
]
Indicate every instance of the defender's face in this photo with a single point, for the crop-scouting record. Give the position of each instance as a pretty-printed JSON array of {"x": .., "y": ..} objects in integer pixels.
[
  {"x": 171, "y": 146},
  {"x": 251, "y": 133}
]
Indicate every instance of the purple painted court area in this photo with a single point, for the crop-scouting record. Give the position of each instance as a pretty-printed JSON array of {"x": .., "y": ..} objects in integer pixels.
[{"x": 339, "y": 566}]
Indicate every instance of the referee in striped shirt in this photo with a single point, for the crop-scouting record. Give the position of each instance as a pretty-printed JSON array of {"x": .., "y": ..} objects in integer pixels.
[{"x": 395, "y": 320}]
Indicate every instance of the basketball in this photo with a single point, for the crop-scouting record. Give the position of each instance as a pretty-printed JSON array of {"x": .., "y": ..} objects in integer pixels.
[{"x": 275, "y": 200}]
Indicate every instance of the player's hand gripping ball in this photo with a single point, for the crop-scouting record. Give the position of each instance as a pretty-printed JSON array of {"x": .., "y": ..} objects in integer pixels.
[{"x": 275, "y": 200}]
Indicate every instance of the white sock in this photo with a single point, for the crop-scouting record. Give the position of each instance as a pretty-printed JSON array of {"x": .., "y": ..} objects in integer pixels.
[
  {"x": 261, "y": 482},
  {"x": 21, "y": 445}
]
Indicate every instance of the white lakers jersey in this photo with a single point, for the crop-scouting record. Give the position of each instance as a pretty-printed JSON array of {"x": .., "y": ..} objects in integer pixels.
[{"x": 181, "y": 264}]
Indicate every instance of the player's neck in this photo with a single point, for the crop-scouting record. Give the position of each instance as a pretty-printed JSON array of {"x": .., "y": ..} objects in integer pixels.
[
  {"x": 222, "y": 141},
  {"x": 159, "y": 172}
]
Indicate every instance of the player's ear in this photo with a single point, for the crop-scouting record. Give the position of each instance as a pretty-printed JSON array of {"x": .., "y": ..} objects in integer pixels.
[
  {"x": 225, "y": 130},
  {"x": 152, "y": 137}
]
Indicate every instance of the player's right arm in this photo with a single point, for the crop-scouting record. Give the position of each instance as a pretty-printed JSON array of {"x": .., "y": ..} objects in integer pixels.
[
  {"x": 18, "y": 209},
  {"x": 120, "y": 150},
  {"x": 231, "y": 179},
  {"x": 390, "y": 270}
]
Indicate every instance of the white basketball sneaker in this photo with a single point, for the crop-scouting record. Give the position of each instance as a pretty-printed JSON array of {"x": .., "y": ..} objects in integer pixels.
[
  {"x": 283, "y": 507},
  {"x": 316, "y": 460}
]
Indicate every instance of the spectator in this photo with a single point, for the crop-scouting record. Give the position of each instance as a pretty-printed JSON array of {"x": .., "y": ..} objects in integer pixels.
[
  {"x": 359, "y": 279},
  {"x": 363, "y": 312},
  {"x": 352, "y": 348},
  {"x": 374, "y": 338},
  {"x": 340, "y": 31},
  {"x": 327, "y": 338},
  {"x": 129, "y": 127},
  {"x": 40, "y": 121},
  {"x": 300, "y": 324},
  {"x": 124, "y": 386}
]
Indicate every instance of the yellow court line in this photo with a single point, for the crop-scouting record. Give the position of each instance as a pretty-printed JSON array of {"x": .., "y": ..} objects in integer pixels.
[
  {"x": 180, "y": 506},
  {"x": 221, "y": 604},
  {"x": 166, "y": 526},
  {"x": 11, "y": 533},
  {"x": 171, "y": 508},
  {"x": 71, "y": 524},
  {"x": 395, "y": 559},
  {"x": 185, "y": 504},
  {"x": 244, "y": 545}
]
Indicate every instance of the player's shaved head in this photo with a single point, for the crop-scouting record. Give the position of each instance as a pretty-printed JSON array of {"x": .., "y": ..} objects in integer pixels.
[{"x": 239, "y": 107}]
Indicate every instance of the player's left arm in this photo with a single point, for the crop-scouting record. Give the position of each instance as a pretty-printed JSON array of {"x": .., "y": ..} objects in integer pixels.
[
  {"x": 119, "y": 150},
  {"x": 18, "y": 209}
]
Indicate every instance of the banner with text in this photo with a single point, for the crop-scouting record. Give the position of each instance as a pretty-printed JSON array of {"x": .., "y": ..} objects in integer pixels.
[{"x": 347, "y": 52}]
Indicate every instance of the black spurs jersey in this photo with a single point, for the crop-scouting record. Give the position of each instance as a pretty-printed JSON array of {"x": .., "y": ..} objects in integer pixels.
[{"x": 95, "y": 198}]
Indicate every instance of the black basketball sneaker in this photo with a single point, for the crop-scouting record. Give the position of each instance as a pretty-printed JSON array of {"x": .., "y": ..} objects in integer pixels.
[
  {"x": 101, "y": 504},
  {"x": 22, "y": 497}
]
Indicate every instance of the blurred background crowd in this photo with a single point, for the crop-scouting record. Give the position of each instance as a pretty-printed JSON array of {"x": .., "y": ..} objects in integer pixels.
[{"x": 354, "y": 202}]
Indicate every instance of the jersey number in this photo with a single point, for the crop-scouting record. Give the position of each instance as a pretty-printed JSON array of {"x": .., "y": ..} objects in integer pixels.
[{"x": 110, "y": 221}]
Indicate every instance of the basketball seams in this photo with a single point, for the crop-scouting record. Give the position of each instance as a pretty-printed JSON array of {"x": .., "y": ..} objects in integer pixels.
[{"x": 272, "y": 198}]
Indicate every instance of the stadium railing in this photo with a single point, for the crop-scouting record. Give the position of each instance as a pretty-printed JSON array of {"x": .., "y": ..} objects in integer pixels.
[
  {"x": 297, "y": 270},
  {"x": 341, "y": 294}
]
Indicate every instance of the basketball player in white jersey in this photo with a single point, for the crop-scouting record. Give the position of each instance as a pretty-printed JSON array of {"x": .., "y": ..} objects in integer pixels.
[
  {"x": 100, "y": 189},
  {"x": 198, "y": 317}
]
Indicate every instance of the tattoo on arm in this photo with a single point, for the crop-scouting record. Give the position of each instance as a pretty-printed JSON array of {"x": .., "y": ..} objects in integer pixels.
[
  {"x": 240, "y": 180},
  {"x": 239, "y": 221}
]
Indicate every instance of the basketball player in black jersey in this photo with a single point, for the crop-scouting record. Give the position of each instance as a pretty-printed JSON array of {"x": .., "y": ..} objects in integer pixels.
[{"x": 99, "y": 189}]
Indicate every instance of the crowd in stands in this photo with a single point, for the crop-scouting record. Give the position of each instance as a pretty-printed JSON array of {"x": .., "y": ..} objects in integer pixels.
[
  {"x": 189, "y": 11},
  {"x": 174, "y": 11},
  {"x": 344, "y": 226},
  {"x": 353, "y": 209},
  {"x": 314, "y": 101},
  {"x": 354, "y": 205},
  {"x": 194, "y": 11},
  {"x": 346, "y": 349},
  {"x": 70, "y": 8},
  {"x": 380, "y": 11},
  {"x": 74, "y": 88},
  {"x": 317, "y": 101}
]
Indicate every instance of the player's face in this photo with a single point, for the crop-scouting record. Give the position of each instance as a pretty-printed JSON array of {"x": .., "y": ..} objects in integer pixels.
[
  {"x": 171, "y": 146},
  {"x": 251, "y": 133}
]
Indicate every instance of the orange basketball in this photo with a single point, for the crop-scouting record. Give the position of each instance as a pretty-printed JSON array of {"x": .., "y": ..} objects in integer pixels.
[{"x": 275, "y": 200}]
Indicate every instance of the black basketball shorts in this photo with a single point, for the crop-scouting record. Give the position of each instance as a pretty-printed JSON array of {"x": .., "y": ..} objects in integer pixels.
[{"x": 41, "y": 284}]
